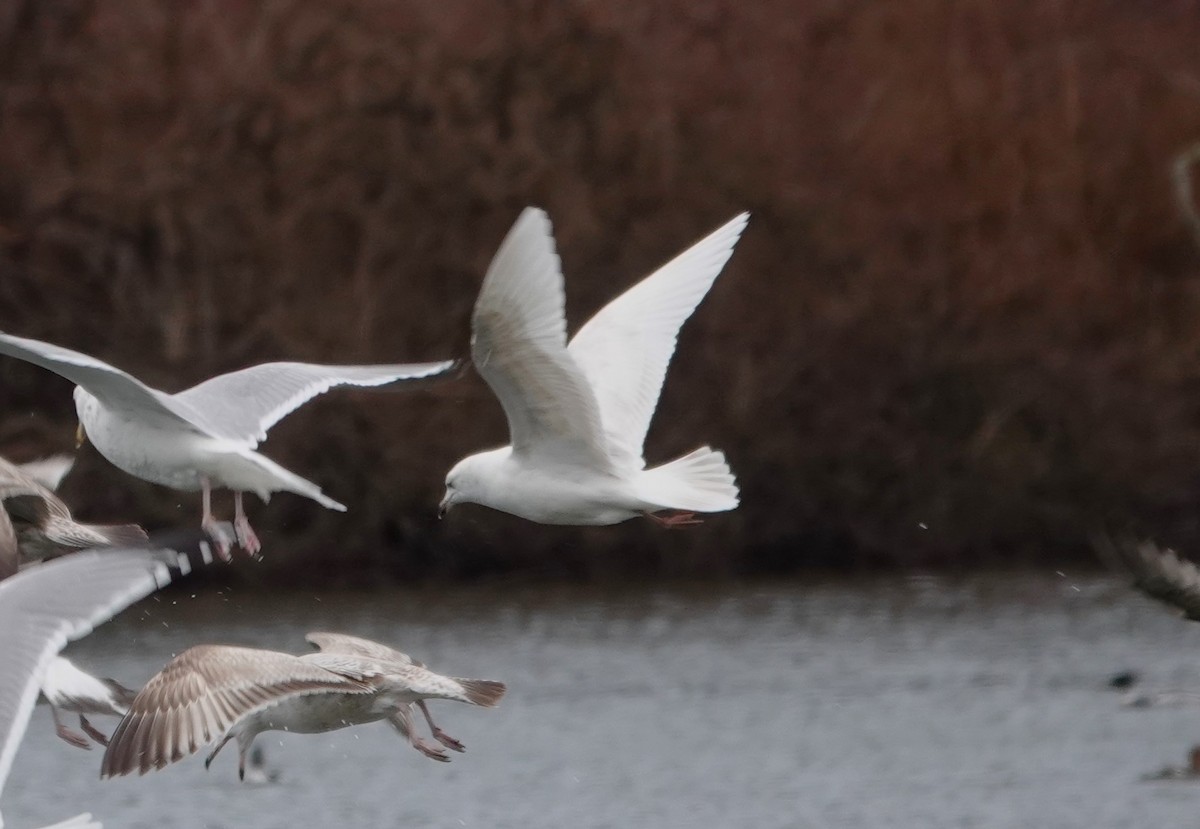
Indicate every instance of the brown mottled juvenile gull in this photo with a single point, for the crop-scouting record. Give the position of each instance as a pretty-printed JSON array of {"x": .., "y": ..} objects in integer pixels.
[
  {"x": 205, "y": 436},
  {"x": 220, "y": 692},
  {"x": 578, "y": 413},
  {"x": 49, "y": 604},
  {"x": 36, "y": 524}
]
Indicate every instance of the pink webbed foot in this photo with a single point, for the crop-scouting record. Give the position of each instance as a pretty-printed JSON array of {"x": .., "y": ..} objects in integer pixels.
[
  {"x": 674, "y": 519},
  {"x": 430, "y": 751},
  {"x": 217, "y": 531},
  {"x": 448, "y": 741},
  {"x": 247, "y": 538},
  {"x": 439, "y": 735},
  {"x": 72, "y": 737},
  {"x": 221, "y": 535}
]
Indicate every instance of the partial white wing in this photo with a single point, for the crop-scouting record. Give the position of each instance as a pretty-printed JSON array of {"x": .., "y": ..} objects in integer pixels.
[
  {"x": 50, "y": 471},
  {"x": 518, "y": 345},
  {"x": 243, "y": 405},
  {"x": 47, "y": 605},
  {"x": 114, "y": 388},
  {"x": 624, "y": 350}
]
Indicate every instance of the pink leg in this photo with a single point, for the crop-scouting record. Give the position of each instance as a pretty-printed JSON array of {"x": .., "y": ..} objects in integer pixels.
[
  {"x": 674, "y": 519},
  {"x": 216, "y": 530},
  {"x": 93, "y": 732},
  {"x": 402, "y": 722},
  {"x": 77, "y": 740},
  {"x": 241, "y": 525},
  {"x": 439, "y": 735}
]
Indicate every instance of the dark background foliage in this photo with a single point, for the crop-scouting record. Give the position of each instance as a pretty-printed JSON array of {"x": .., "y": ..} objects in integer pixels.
[{"x": 962, "y": 326}]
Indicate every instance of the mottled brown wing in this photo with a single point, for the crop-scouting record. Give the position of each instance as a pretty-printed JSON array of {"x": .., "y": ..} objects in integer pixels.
[
  {"x": 25, "y": 498},
  {"x": 201, "y": 694},
  {"x": 1158, "y": 573}
]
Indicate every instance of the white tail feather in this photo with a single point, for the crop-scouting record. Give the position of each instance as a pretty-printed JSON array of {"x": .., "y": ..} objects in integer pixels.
[
  {"x": 286, "y": 481},
  {"x": 700, "y": 481}
]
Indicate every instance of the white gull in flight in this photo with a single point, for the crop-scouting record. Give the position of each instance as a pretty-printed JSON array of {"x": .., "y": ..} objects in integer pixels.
[
  {"x": 205, "y": 436},
  {"x": 578, "y": 414}
]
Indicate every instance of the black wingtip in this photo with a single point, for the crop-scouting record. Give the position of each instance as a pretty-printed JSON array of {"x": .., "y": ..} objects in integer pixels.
[{"x": 183, "y": 551}]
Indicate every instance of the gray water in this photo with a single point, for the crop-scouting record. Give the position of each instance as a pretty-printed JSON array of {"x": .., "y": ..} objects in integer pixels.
[{"x": 901, "y": 702}]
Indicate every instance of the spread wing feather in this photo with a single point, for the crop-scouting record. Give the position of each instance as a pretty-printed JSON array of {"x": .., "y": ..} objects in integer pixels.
[
  {"x": 518, "y": 345},
  {"x": 201, "y": 694},
  {"x": 624, "y": 350}
]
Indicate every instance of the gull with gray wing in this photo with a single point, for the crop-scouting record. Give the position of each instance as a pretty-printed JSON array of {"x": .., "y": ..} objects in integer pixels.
[
  {"x": 578, "y": 414},
  {"x": 205, "y": 436}
]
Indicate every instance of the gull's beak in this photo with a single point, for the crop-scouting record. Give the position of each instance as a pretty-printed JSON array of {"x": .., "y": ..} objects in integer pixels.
[
  {"x": 80, "y": 435},
  {"x": 444, "y": 507}
]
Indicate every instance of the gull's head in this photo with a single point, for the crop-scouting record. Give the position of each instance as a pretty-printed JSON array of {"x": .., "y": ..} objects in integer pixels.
[{"x": 471, "y": 480}]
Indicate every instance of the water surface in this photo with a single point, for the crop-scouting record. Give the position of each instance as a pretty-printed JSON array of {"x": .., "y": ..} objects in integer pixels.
[{"x": 905, "y": 702}]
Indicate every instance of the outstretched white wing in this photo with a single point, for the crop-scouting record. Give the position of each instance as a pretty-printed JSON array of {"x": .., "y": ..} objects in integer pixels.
[
  {"x": 239, "y": 406},
  {"x": 624, "y": 350},
  {"x": 243, "y": 405},
  {"x": 47, "y": 605},
  {"x": 116, "y": 389},
  {"x": 518, "y": 344}
]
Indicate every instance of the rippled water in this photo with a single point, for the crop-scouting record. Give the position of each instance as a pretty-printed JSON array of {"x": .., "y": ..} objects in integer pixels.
[{"x": 906, "y": 702}]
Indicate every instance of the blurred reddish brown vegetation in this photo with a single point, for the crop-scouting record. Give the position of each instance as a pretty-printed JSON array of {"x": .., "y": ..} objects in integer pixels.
[{"x": 964, "y": 323}]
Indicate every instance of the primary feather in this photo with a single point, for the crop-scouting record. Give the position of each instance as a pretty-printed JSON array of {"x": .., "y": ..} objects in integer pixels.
[
  {"x": 624, "y": 350},
  {"x": 519, "y": 346},
  {"x": 45, "y": 606}
]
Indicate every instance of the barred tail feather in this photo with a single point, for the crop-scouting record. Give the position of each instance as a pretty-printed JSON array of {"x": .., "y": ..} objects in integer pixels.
[
  {"x": 483, "y": 692},
  {"x": 279, "y": 478}
]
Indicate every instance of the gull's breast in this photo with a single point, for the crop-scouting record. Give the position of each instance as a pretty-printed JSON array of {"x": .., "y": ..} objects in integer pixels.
[
  {"x": 562, "y": 495},
  {"x": 156, "y": 453},
  {"x": 318, "y": 712}
]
